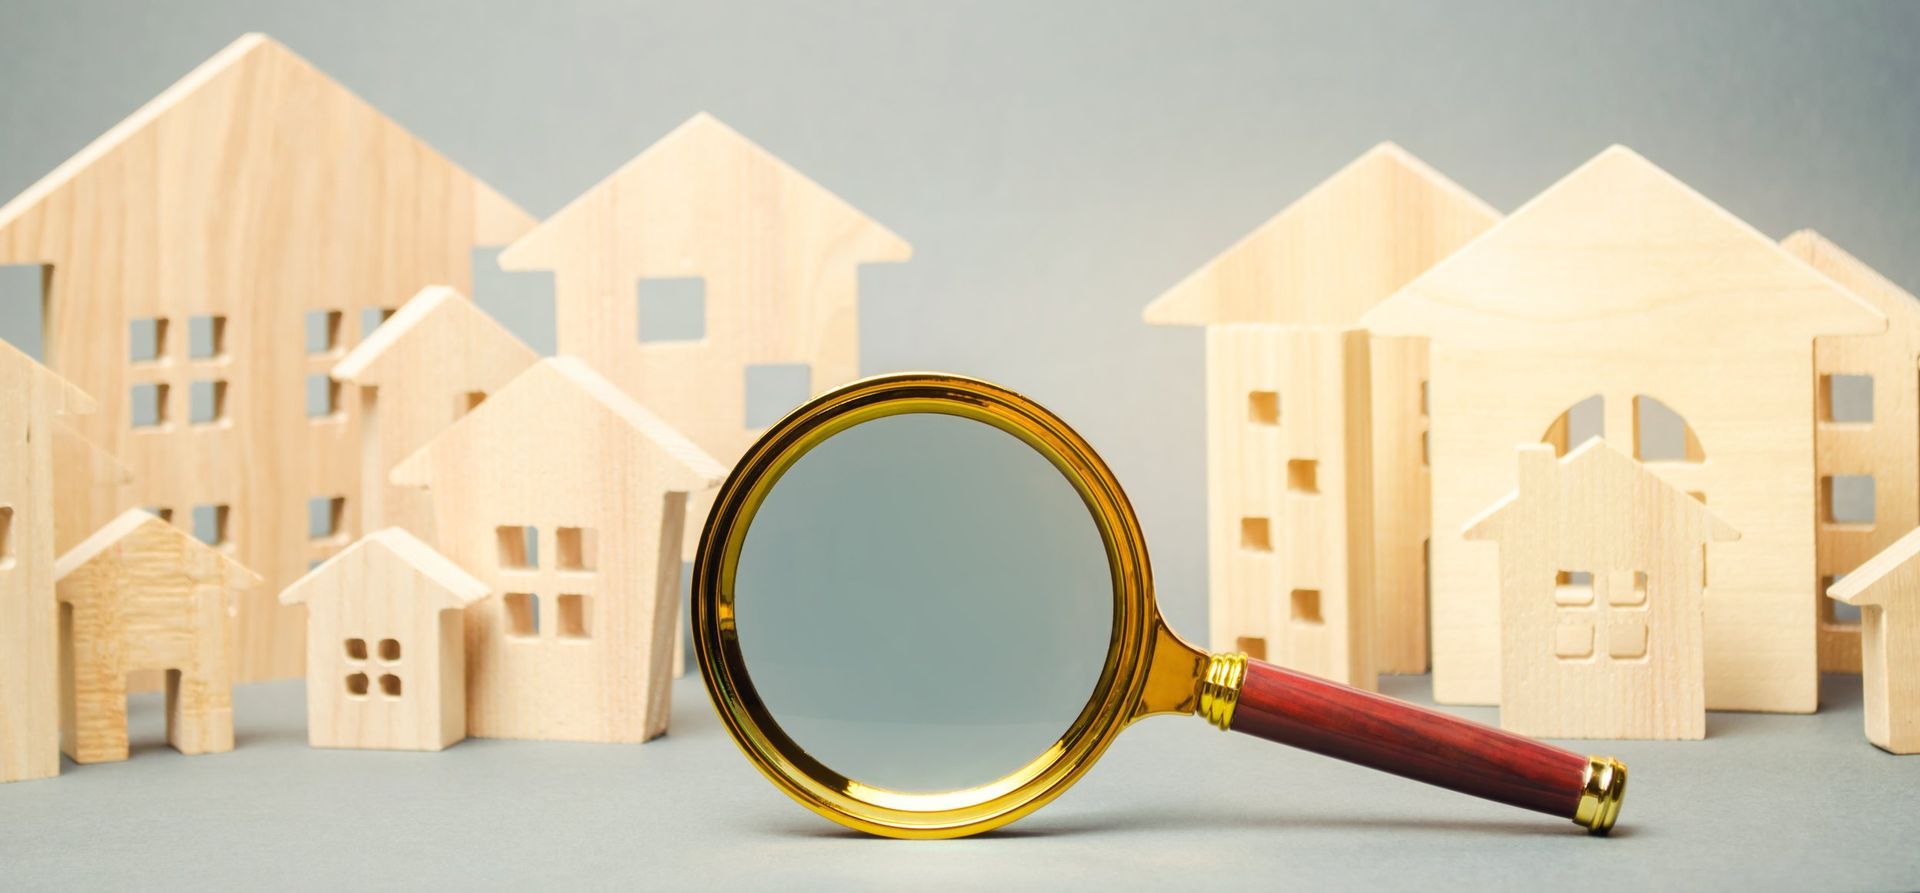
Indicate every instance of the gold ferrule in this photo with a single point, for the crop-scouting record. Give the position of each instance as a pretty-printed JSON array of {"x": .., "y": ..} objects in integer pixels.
[
  {"x": 1602, "y": 789},
  {"x": 1220, "y": 687}
]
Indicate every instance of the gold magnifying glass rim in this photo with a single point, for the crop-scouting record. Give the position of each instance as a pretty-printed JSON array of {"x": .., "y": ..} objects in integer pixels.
[{"x": 1148, "y": 669}]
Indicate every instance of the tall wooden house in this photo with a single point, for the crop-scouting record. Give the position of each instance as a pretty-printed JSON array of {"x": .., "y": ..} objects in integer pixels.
[
  {"x": 1886, "y": 589},
  {"x": 1621, "y": 282},
  {"x": 210, "y": 258},
  {"x": 1322, "y": 262}
]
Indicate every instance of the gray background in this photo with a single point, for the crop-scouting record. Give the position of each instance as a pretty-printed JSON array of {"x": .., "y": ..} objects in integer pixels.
[{"x": 1056, "y": 166}]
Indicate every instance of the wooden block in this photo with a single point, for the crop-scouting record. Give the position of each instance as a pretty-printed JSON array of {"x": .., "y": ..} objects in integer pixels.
[
  {"x": 34, "y": 403},
  {"x": 1887, "y": 590},
  {"x": 141, "y": 594},
  {"x": 1601, "y": 598},
  {"x": 1621, "y": 282},
  {"x": 1325, "y": 260},
  {"x": 1881, "y": 446},
  {"x": 433, "y": 362},
  {"x": 386, "y": 651},
  {"x": 213, "y": 255},
  {"x": 567, "y": 499},
  {"x": 89, "y": 487}
]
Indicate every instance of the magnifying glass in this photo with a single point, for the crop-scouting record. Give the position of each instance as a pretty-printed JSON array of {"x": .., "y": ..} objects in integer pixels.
[{"x": 923, "y": 608}]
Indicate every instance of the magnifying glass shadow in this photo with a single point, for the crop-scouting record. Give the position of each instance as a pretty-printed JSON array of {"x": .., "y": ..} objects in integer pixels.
[{"x": 1159, "y": 821}]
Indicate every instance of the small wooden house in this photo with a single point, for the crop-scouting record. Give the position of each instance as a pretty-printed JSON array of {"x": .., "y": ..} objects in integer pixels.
[
  {"x": 1602, "y": 570},
  {"x": 1886, "y": 589},
  {"x": 33, "y": 401},
  {"x": 1323, "y": 261},
  {"x": 567, "y": 498},
  {"x": 386, "y": 647},
  {"x": 141, "y": 594}
]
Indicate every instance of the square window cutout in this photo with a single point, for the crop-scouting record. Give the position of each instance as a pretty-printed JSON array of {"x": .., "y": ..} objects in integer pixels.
[
  {"x": 323, "y": 396},
  {"x": 1573, "y": 641},
  {"x": 1573, "y": 588},
  {"x": 1256, "y": 534},
  {"x": 207, "y": 402},
  {"x": 573, "y": 617},
  {"x": 213, "y": 524},
  {"x": 323, "y": 331},
  {"x": 1627, "y": 639},
  {"x": 148, "y": 402},
  {"x": 1254, "y": 646},
  {"x": 356, "y": 649},
  {"x": 357, "y": 685},
  {"x": 1846, "y": 398},
  {"x": 1263, "y": 407},
  {"x": 1627, "y": 590},
  {"x": 1847, "y": 498},
  {"x": 774, "y": 389},
  {"x": 518, "y": 547},
  {"x": 326, "y": 517},
  {"x": 147, "y": 340},
  {"x": 523, "y": 614},
  {"x": 673, "y": 309},
  {"x": 206, "y": 337},
  {"x": 1303, "y": 476},
  {"x": 575, "y": 549},
  {"x": 1305, "y": 606}
]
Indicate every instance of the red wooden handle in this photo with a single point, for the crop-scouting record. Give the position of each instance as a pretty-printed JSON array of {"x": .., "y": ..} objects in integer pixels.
[{"x": 1425, "y": 745}]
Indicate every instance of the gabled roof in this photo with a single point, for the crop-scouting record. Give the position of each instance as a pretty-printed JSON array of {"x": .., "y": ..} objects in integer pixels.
[
  {"x": 1598, "y": 462},
  {"x": 1336, "y": 251},
  {"x": 1901, "y": 308},
  {"x": 138, "y": 523},
  {"x": 435, "y": 305},
  {"x": 16, "y": 366},
  {"x": 457, "y": 587},
  {"x": 497, "y": 220},
  {"x": 1623, "y": 253},
  {"x": 1882, "y": 579},
  {"x": 699, "y": 162},
  {"x": 565, "y": 384}
]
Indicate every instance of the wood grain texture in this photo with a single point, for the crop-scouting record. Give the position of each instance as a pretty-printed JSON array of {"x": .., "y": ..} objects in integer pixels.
[
  {"x": 1887, "y": 590},
  {"x": 1885, "y": 446},
  {"x": 572, "y": 642},
  {"x": 1289, "y": 467},
  {"x": 140, "y": 594},
  {"x": 33, "y": 402},
  {"x": 1325, "y": 260},
  {"x": 433, "y": 362},
  {"x": 1602, "y": 566},
  {"x": 89, "y": 487},
  {"x": 1393, "y": 736},
  {"x": 255, "y": 191},
  {"x": 386, "y": 648},
  {"x": 1621, "y": 282}
]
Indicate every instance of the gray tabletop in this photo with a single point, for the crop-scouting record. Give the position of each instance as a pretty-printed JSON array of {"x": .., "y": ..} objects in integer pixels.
[{"x": 1771, "y": 802}]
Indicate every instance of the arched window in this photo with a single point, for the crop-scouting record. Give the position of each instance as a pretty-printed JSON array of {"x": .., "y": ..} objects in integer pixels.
[
  {"x": 1662, "y": 435},
  {"x": 1583, "y": 421}
]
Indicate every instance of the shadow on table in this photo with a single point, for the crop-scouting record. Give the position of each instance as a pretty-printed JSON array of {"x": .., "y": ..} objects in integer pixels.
[{"x": 1159, "y": 821}]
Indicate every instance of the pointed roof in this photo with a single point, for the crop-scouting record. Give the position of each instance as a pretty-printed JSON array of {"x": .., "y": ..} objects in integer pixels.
[
  {"x": 138, "y": 523},
  {"x": 497, "y": 220},
  {"x": 1621, "y": 249},
  {"x": 457, "y": 588},
  {"x": 16, "y": 366},
  {"x": 687, "y": 167},
  {"x": 565, "y": 384},
  {"x": 102, "y": 467},
  {"x": 436, "y": 305},
  {"x": 1343, "y": 247},
  {"x": 1901, "y": 308},
  {"x": 1885, "y": 577},
  {"x": 1596, "y": 461}
]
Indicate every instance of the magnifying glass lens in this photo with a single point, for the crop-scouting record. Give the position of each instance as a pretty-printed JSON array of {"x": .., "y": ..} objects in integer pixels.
[{"x": 923, "y": 603}]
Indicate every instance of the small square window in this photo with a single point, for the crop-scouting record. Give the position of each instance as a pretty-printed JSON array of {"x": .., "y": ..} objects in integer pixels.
[
  {"x": 212, "y": 524},
  {"x": 1305, "y": 606},
  {"x": 357, "y": 685},
  {"x": 323, "y": 331},
  {"x": 673, "y": 309},
  {"x": 1573, "y": 588},
  {"x": 206, "y": 337},
  {"x": 326, "y": 517},
  {"x": 390, "y": 650},
  {"x": 523, "y": 614},
  {"x": 1627, "y": 639},
  {"x": 1573, "y": 640},
  {"x": 372, "y": 317},
  {"x": 207, "y": 402},
  {"x": 6, "y": 536},
  {"x": 1847, "y": 498},
  {"x": 773, "y": 389},
  {"x": 1256, "y": 533},
  {"x": 1846, "y": 398},
  {"x": 323, "y": 397},
  {"x": 1254, "y": 646},
  {"x": 1303, "y": 476},
  {"x": 1626, "y": 590},
  {"x": 575, "y": 549},
  {"x": 519, "y": 547},
  {"x": 147, "y": 340},
  {"x": 1263, "y": 407},
  {"x": 356, "y": 649},
  {"x": 390, "y": 685},
  {"x": 573, "y": 617},
  {"x": 149, "y": 404}
]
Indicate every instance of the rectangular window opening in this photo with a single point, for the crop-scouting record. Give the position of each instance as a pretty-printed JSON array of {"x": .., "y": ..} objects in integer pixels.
[
  {"x": 323, "y": 331},
  {"x": 523, "y": 614},
  {"x": 390, "y": 685},
  {"x": 213, "y": 524},
  {"x": 206, "y": 337},
  {"x": 371, "y": 318},
  {"x": 356, "y": 649},
  {"x": 672, "y": 309},
  {"x": 772, "y": 389},
  {"x": 1254, "y": 646},
  {"x": 323, "y": 397},
  {"x": 1573, "y": 640},
  {"x": 573, "y": 617},
  {"x": 575, "y": 549},
  {"x": 519, "y": 547},
  {"x": 1846, "y": 399},
  {"x": 1256, "y": 533},
  {"x": 1263, "y": 407},
  {"x": 147, "y": 340},
  {"x": 326, "y": 517},
  {"x": 1627, "y": 590},
  {"x": 1571, "y": 588},
  {"x": 148, "y": 401},
  {"x": 1627, "y": 639},
  {"x": 207, "y": 402},
  {"x": 357, "y": 685},
  {"x": 1847, "y": 498},
  {"x": 1303, "y": 475},
  {"x": 1305, "y": 606}
]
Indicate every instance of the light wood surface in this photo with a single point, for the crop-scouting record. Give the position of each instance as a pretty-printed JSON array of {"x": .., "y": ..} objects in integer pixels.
[
  {"x": 1622, "y": 282},
  {"x": 89, "y": 487},
  {"x": 141, "y": 594},
  {"x": 255, "y": 191},
  {"x": 1601, "y": 598},
  {"x": 1289, "y": 460},
  {"x": 1885, "y": 447},
  {"x": 1325, "y": 260},
  {"x": 433, "y": 362},
  {"x": 1886, "y": 589},
  {"x": 386, "y": 650},
  {"x": 573, "y": 642}
]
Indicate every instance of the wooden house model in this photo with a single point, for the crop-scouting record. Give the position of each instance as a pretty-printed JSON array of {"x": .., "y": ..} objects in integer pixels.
[
  {"x": 1315, "y": 268},
  {"x": 210, "y": 258},
  {"x": 1886, "y": 589},
  {"x": 567, "y": 499},
  {"x": 1602, "y": 566},
  {"x": 1621, "y": 282},
  {"x": 34, "y": 402},
  {"x": 142, "y": 594},
  {"x": 386, "y": 645}
]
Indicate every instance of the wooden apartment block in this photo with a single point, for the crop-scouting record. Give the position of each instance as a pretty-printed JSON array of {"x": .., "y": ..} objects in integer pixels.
[
  {"x": 1870, "y": 456},
  {"x": 1620, "y": 282},
  {"x": 567, "y": 499},
  {"x": 241, "y": 231},
  {"x": 1602, "y": 566},
  {"x": 1324, "y": 261},
  {"x": 386, "y": 645},
  {"x": 1886, "y": 589},
  {"x": 432, "y": 362},
  {"x": 142, "y": 594},
  {"x": 34, "y": 402}
]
